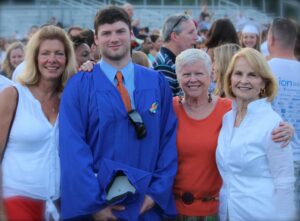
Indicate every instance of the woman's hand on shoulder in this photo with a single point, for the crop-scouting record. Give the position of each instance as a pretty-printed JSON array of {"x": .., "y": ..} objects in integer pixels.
[
  {"x": 87, "y": 66},
  {"x": 283, "y": 133}
]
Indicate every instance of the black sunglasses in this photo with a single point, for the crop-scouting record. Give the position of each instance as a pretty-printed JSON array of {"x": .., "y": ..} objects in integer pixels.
[{"x": 177, "y": 23}]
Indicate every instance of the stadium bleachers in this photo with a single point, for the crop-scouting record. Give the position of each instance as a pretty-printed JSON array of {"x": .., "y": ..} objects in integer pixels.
[{"x": 17, "y": 19}]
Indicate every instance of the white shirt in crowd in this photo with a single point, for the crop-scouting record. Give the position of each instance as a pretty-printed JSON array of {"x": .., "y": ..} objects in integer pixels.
[
  {"x": 287, "y": 102},
  {"x": 5, "y": 82},
  {"x": 19, "y": 69},
  {"x": 264, "y": 49},
  {"x": 258, "y": 175}
]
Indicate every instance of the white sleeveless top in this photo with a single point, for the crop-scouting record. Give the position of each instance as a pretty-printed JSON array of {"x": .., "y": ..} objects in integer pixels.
[{"x": 31, "y": 161}]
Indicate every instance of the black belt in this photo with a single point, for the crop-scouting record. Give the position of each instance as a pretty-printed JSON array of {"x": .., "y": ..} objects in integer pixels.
[{"x": 188, "y": 198}]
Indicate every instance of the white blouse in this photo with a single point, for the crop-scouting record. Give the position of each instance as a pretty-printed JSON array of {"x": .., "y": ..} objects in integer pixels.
[
  {"x": 258, "y": 175},
  {"x": 31, "y": 162},
  {"x": 4, "y": 82}
]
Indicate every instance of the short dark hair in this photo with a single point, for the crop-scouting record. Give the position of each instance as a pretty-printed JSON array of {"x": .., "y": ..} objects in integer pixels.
[
  {"x": 154, "y": 38},
  {"x": 74, "y": 28},
  {"x": 142, "y": 36},
  {"x": 284, "y": 30},
  {"x": 88, "y": 34},
  {"x": 110, "y": 15},
  {"x": 78, "y": 40}
]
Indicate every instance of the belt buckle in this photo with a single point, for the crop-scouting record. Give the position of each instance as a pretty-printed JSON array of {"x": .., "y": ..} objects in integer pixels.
[
  {"x": 207, "y": 199},
  {"x": 188, "y": 198}
]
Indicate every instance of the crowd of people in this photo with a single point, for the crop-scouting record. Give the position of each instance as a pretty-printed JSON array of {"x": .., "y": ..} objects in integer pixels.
[{"x": 193, "y": 122}]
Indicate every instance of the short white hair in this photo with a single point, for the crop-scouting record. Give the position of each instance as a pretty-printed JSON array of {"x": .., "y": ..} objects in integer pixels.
[{"x": 191, "y": 56}]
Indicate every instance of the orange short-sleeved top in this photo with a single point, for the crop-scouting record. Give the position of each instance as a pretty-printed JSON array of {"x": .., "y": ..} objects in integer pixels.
[{"x": 197, "y": 168}]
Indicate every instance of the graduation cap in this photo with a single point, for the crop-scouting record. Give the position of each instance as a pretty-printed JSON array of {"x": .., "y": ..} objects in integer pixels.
[
  {"x": 124, "y": 185},
  {"x": 119, "y": 188}
]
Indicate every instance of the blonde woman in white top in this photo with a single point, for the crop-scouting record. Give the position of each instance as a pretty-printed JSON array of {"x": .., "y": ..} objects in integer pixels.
[
  {"x": 30, "y": 166},
  {"x": 257, "y": 174}
]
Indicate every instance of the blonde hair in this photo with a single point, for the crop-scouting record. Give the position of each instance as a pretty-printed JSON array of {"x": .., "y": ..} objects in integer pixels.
[
  {"x": 7, "y": 67},
  {"x": 260, "y": 67},
  {"x": 31, "y": 74},
  {"x": 222, "y": 57},
  {"x": 140, "y": 58}
]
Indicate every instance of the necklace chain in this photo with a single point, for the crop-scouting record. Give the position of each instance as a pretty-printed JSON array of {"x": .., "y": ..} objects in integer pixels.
[{"x": 47, "y": 102}]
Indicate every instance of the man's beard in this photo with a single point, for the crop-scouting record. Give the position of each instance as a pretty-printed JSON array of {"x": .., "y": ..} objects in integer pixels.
[{"x": 115, "y": 56}]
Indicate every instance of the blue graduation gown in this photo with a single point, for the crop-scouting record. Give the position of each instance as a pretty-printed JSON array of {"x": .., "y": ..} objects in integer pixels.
[{"x": 97, "y": 139}]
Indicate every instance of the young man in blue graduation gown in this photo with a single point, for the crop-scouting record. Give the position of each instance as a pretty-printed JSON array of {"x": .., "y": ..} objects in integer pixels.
[{"x": 99, "y": 141}]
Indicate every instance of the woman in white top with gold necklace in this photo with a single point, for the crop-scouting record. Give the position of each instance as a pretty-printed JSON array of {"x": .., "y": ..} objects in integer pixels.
[
  {"x": 30, "y": 166},
  {"x": 257, "y": 174}
]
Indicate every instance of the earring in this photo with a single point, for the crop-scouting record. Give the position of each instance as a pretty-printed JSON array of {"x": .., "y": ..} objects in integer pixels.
[
  {"x": 262, "y": 92},
  {"x": 209, "y": 97},
  {"x": 180, "y": 99}
]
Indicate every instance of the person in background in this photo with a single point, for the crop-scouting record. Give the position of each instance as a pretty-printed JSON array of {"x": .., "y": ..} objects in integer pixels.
[
  {"x": 155, "y": 31},
  {"x": 157, "y": 43},
  {"x": 89, "y": 35},
  {"x": 221, "y": 32},
  {"x": 146, "y": 46},
  {"x": 204, "y": 13},
  {"x": 179, "y": 33},
  {"x": 205, "y": 24},
  {"x": 139, "y": 57},
  {"x": 144, "y": 31},
  {"x": 250, "y": 37},
  {"x": 82, "y": 50},
  {"x": 18, "y": 70},
  {"x": 264, "y": 43},
  {"x": 200, "y": 43},
  {"x": 257, "y": 173},
  {"x": 74, "y": 31},
  {"x": 54, "y": 21},
  {"x": 14, "y": 56},
  {"x": 3, "y": 46},
  {"x": 30, "y": 165},
  {"x": 203, "y": 33},
  {"x": 33, "y": 29},
  {"x": 222, "y": 57},
  {"x": 125, "y": 128},
  {"x": 135, "y": 24},
  {"x": 286, "y": 69}
]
